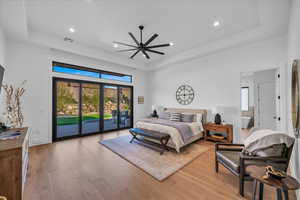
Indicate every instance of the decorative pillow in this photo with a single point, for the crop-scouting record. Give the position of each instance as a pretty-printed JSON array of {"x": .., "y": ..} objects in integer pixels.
[
  {"x": 175, "y": 117},
  {"x": 185, "y": 117},
  {"x": 164, "y": 115}
]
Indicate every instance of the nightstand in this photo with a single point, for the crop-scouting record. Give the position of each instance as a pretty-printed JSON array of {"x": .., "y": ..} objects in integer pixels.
[{"x": 225, "y": 129}]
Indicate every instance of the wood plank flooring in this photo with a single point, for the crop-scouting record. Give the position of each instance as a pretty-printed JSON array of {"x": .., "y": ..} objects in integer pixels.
[{"x": 82, "y": 169}]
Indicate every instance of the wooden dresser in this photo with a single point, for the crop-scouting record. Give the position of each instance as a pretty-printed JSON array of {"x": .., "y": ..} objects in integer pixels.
[
  {"x": 13, "y": 165},
  {"x": 225, "y": 129}
]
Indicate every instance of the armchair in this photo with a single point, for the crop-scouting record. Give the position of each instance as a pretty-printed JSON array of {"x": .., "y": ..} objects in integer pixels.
[{"x": 233, "y": 159}]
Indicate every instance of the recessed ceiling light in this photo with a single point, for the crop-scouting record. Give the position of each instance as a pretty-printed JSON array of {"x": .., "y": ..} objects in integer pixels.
[
  {"x": 116, "y": 45},
  {"x": 171, "y": 43},
  {"x": 72, "y": 30},
  {"x": 216, "y": 23}
]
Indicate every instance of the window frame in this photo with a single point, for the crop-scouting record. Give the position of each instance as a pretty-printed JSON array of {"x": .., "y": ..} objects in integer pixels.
[
  {"x": 100, "y": 72},
  {"x": 242, "y": 88},
  {"x": 102, "y": 84}
]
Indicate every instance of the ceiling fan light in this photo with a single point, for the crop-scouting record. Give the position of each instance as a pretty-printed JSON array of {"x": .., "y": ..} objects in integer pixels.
[
  {"x": 115, "y": 45},
  {"x": 171, "y": 43},
  {"x": 72, "y": 30},
  {"x": 216, "y": 23}
]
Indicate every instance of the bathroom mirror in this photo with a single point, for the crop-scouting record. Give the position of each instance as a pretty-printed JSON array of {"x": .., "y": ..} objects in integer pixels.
[
  {"x": 259, "y": 101},
  {"x": 295, "y": 97}
]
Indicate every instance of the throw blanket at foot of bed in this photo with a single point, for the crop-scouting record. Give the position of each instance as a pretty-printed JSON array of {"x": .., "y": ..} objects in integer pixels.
[{"x": 180, "y": 132}]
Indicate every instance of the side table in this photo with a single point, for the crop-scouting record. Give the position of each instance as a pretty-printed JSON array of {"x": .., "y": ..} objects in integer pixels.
[{"x": 283, "y": 185}]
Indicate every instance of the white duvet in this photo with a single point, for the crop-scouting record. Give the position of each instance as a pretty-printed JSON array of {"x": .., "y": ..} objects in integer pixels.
[{"x": 196, "y": 128}]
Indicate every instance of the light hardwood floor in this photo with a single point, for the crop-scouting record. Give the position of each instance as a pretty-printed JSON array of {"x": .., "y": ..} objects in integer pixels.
[{"x": 82, "y": 169}]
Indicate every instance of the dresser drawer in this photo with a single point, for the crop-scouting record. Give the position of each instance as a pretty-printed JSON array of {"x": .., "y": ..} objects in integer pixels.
[{"x": 217, "y": 129}]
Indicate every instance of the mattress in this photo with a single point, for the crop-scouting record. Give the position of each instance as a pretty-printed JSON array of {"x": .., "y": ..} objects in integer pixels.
[{"x": 176, "y": 140}]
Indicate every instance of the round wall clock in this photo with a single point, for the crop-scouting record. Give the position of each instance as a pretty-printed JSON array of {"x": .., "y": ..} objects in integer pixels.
[{"x": 185, "y": 94}]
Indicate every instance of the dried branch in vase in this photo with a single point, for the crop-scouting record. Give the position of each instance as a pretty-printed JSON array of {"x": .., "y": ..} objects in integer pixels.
[{"x": 13, "y": 113}]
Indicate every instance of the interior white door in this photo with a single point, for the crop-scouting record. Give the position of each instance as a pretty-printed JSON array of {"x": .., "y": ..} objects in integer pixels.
[{"x": 267, "y": 105}]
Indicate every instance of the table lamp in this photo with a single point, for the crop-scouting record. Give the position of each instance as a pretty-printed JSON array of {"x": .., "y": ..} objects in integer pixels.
[{"x": 218, "y": 118}]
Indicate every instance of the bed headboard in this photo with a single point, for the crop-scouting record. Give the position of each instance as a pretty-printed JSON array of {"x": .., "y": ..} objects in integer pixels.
[{"x": 187, "y": 110}]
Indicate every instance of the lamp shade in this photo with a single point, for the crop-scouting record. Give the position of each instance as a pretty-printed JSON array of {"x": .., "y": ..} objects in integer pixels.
[
  {"x": 154, "y": 107},
  {"x": 159, "y": 109},
  {"x": 214, "y": 110}
]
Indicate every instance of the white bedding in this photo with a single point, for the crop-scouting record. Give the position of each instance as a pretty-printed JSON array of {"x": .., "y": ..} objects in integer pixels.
[{"x": 176, "y": 138}]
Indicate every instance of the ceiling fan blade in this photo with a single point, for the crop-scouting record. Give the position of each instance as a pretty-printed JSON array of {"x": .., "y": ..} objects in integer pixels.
[
  {"x": 123, "y": 50},
  {"x": 144, "y": 52},
  {"x": 151, "y": 39},
  {"x": 135, "y": 53},
  {"x": 161, "y": 53},
  {"x": 135, "y": 40},
  {"x": 129, "y": 45},
  {"x": 157, "y": 46}
]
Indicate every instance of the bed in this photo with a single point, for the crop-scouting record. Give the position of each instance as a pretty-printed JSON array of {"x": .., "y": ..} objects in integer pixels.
[{"x": 181, "y": 133}]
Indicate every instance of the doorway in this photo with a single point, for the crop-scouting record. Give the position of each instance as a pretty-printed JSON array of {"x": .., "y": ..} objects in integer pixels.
[
  {"x": 83, "y": 108},
  {"x": 260, "y": 101},
  {"x": 267, "y": 105},
  {"x": 265, "y": 92}
]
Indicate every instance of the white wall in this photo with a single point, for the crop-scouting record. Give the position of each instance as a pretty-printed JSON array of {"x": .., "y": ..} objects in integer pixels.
[
  {"x": 216, "y": 78},
  {"x": 293, "y": 53},
  {"x": 31, "y": 63},
  {"x": 2, "y": 47}
]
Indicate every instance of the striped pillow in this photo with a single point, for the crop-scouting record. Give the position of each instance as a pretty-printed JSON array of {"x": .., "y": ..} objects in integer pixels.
[{"x": 175, "y": 117}]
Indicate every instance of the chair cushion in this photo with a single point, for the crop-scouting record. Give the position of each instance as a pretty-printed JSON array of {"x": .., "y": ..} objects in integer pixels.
[{"x": 230, "y": 158}]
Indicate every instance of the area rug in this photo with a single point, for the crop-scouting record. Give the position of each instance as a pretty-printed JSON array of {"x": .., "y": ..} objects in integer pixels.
[{"x": 149, "y": 160}]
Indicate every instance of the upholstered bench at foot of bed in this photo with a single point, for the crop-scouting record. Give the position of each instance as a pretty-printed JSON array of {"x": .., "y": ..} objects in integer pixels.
[{"x": 162, "y": 138}]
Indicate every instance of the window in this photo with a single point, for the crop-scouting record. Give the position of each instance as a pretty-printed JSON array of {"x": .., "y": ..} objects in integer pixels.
[
  {"x": 122, "y": 78},
  {"x": 75, "y": 71},
  {"x": 245, "y": 98},
  {"x": 85, "y": 107},
  {"x": 89, "y": 72}
]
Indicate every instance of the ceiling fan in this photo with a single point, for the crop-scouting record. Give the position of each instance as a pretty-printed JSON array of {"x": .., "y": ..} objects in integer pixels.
[{"x": 142, "y": 47}]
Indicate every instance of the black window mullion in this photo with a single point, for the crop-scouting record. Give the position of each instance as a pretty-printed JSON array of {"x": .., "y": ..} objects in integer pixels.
[
  {"x": 80, "y": 108},
  {"x": 54, "y": 111},
  {"x": 118, "y": 105},
  {"x": 131, "y": 107},
  {"x": 101, "y": 109}
]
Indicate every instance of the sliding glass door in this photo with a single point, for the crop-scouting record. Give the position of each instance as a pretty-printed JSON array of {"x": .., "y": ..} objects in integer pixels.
[
  {"x": 125, "y": 106},
  {"x": 90, "y": 114},
  {"x": 83, "y": 108},
  {"x": 67, "y": 109},
  {"x": 110, "y": 107}
]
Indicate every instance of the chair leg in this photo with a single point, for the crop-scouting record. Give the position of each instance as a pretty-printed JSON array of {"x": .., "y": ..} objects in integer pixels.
[
  {"x": 279, "y": 196},
  {"x": 254, "y": 189},
  {"x": 242, "y": 185},
  {"x": 261, "y": 191},
  {"x": 286, "y": 194}
]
